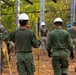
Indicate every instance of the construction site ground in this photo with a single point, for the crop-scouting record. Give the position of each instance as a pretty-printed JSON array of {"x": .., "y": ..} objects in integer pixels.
[{"x": 45, "y": 65}]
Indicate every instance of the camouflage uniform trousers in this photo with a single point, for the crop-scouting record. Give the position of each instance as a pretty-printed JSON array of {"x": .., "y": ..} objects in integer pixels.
[
  {"x": 60, "y": 64},
  {"x": 25, "y": 64},
  {"x": 74, "y": 42}
]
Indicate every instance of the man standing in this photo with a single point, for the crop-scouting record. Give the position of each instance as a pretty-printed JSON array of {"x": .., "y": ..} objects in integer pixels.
[
  {"x": 57, "y": 41},
  {"x": 43, "y": 34},
  {"x": 24, "y": 39},
  {"x": 72, "y": 32}
]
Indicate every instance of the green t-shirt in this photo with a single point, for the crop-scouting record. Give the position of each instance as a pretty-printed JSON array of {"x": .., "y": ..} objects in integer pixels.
[{"x": 24, "y": 39}]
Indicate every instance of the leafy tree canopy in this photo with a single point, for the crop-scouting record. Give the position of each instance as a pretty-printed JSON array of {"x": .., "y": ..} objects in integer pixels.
[{"x": 52, "y": 10}]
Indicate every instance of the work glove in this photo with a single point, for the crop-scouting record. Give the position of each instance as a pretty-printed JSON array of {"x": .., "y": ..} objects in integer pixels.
[
  {"x": 49, "y": 54},
  {"x": 72, "y": 55}
]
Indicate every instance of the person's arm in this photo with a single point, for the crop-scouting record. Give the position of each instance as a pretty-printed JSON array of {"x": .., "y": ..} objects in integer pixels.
[
  {"x": 47, "y": 32},
  {"x": 70, "y": 46},
  {"x": 70, "y": 43},
  {"x": 49, "y": 44},
  {"x": 9, "y": 37},
  {"x": 34, "y": 41}
]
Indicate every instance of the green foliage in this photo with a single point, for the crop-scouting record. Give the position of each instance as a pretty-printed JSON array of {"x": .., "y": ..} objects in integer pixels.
[
  {"x": 52, "y": 10},
  {"x": 8, "y": 18}
]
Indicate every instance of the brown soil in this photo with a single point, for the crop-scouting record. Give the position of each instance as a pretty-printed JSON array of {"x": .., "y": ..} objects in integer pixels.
[{"x": 45, "y": 65}]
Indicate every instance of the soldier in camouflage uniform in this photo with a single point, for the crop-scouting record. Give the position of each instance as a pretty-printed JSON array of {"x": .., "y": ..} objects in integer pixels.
[
  {"x": 58, "y": 39},
  {"x": 24, "y": 39},
  {"x": 72, "y": 31}
]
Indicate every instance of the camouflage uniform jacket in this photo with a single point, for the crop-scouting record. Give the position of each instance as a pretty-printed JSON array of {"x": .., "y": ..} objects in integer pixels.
[
  {"x": 72, "y": 32},
  {"x": 58, "y": 39}
]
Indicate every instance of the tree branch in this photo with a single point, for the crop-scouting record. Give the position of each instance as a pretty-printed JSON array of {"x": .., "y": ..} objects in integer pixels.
[
  {"x": 5, "y": 1},
  {"x": 29, "y": 2}
]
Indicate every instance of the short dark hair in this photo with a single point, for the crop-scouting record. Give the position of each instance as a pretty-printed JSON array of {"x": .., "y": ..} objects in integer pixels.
[
  {"x": 23, "y": 22},
  {"x": 58, "y": 23}
]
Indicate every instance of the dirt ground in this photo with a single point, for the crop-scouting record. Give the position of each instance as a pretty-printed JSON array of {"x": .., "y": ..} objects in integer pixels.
[{"x": 45, "y": 65}]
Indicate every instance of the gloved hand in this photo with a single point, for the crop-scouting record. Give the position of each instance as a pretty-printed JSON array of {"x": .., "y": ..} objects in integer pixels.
[
  {"x": 49, "y": 54},
  {"x": 72, "y": 55}
]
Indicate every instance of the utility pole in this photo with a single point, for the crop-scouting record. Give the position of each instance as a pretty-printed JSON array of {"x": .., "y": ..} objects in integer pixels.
[
  {"x": 72, "y": 11},
  {"x": 0, "y": 44},
  {"x": 75, "y": 6},
  {"x": 17, "y": 12},
  {"x": 42, "y": 7}
]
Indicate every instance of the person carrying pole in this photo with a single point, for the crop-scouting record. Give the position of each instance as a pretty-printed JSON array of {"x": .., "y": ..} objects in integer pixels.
[
  {"x": 24, "y": 40},
  {"x": 58, "y": 39}
]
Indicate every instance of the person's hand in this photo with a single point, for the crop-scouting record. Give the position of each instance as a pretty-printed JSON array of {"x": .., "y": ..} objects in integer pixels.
[
  {"x": 49, "y": 54},
  {"x": 72, "y": 55},
  {"x": 39, "y": 41}
]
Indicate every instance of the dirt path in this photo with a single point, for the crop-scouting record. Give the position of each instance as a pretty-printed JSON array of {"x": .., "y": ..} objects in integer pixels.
[{"x": 45, "y": 65}]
